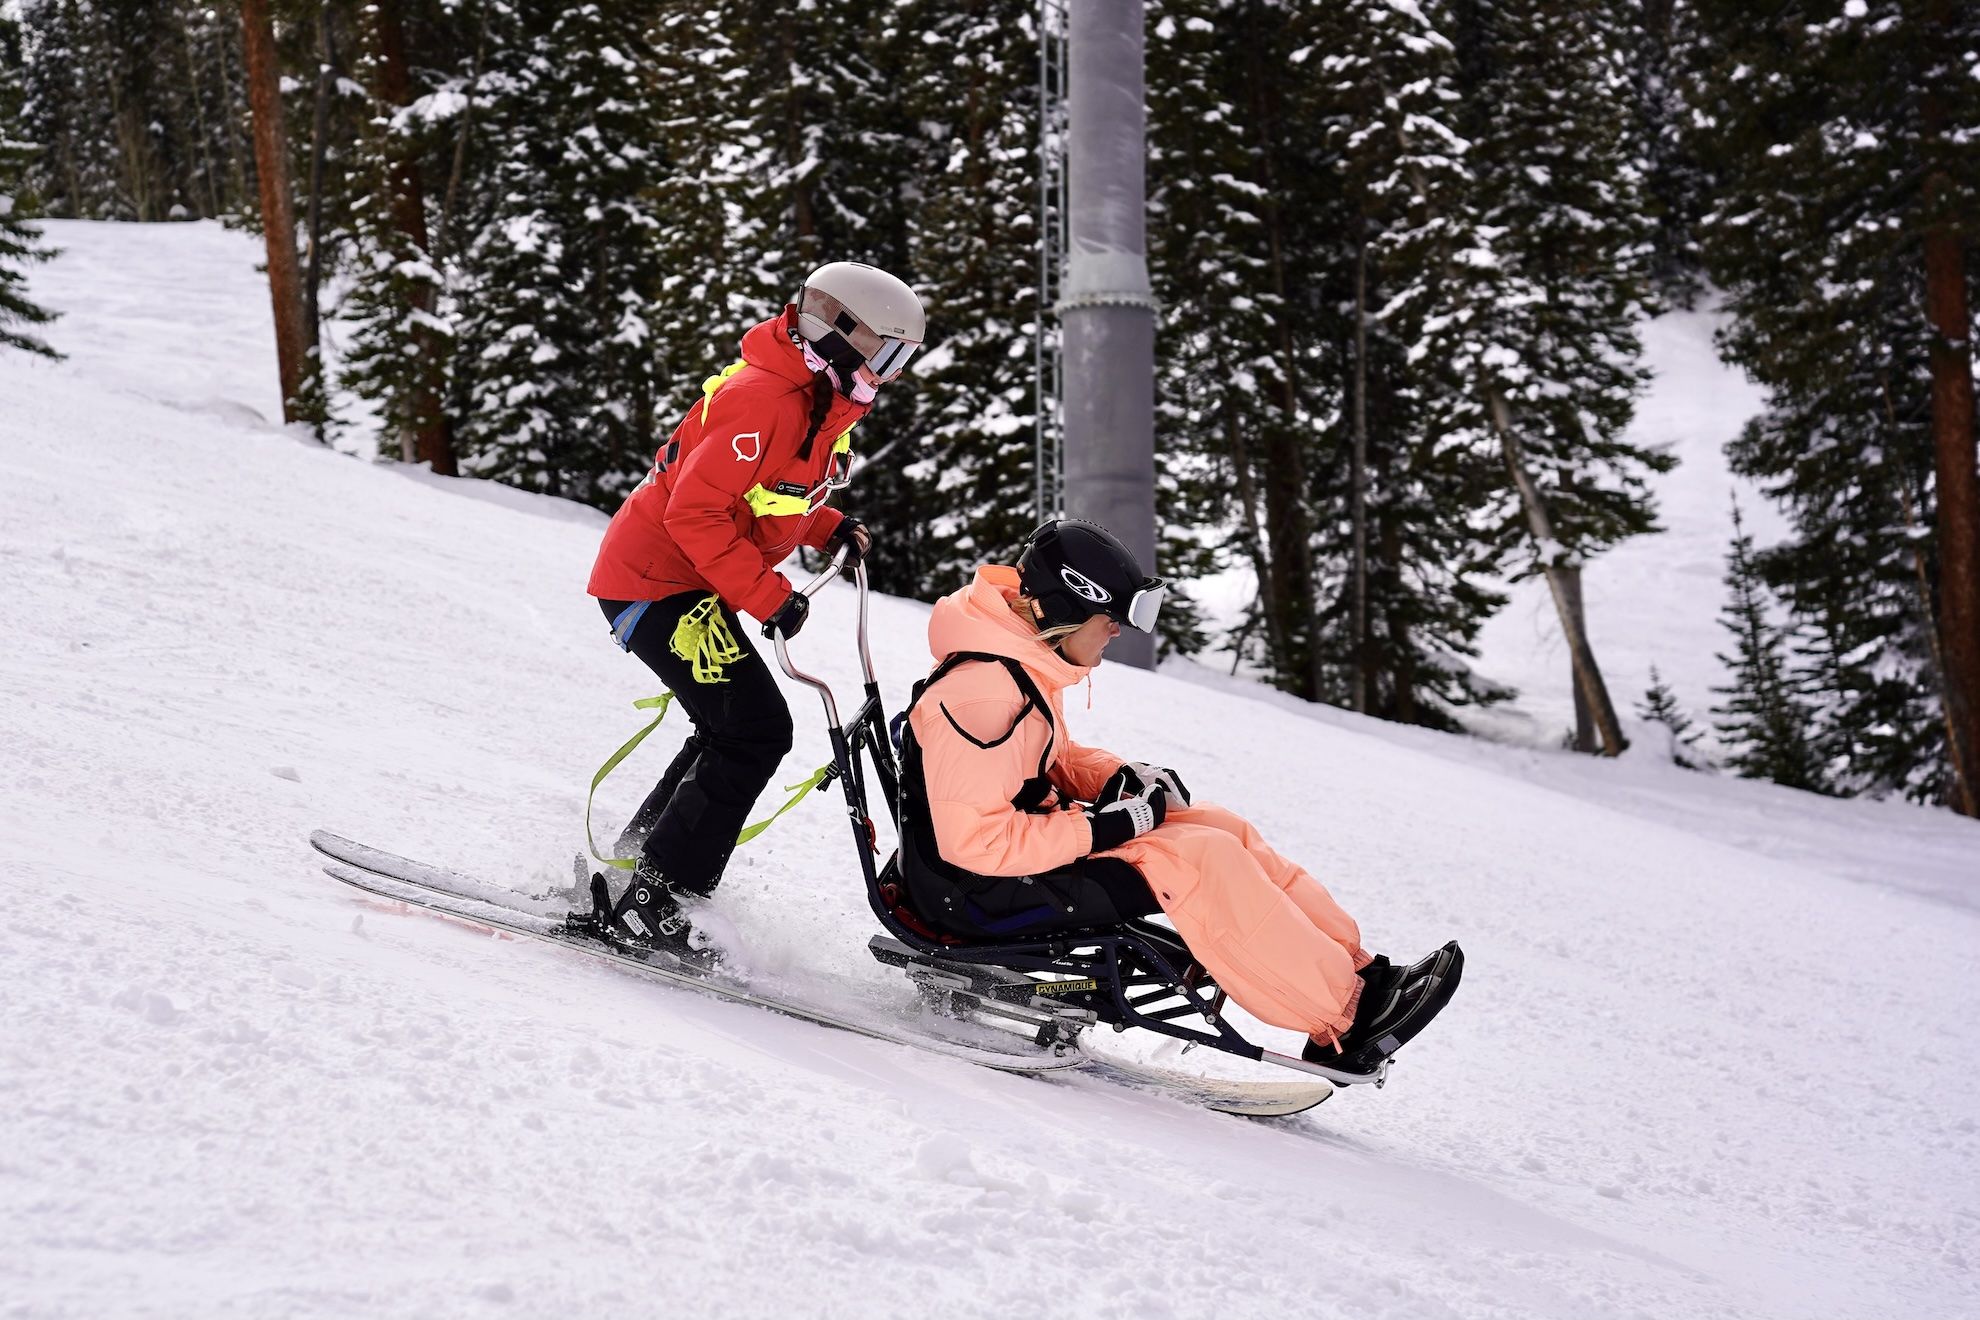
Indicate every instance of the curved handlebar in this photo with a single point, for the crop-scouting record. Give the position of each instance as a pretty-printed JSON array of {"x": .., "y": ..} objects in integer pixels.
[
  {"x": 808, "y": 590},
  {"x": 830, "y": 571}
]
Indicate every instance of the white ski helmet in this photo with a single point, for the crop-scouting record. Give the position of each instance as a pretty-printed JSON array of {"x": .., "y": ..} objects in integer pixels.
[{"x": 854, "y": 315}]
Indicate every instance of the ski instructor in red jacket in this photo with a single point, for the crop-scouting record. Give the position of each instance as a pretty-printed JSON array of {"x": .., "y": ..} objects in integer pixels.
[{"x": 739, "y": 485}]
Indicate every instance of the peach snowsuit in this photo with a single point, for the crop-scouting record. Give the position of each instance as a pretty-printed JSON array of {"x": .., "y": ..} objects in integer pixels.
[{"x": 1268, "y": 932}]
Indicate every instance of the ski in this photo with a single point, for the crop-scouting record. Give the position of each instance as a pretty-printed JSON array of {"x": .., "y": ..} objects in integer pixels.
[
  {"x": 478, "y": 904},
  {"x": 452, "y": 896}
]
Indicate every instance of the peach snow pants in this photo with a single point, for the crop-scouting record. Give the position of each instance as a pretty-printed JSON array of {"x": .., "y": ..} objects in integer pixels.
[{"x": 1271, "y": 935}]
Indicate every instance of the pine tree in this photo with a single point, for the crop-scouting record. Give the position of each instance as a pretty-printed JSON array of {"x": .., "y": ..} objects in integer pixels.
[
  {"x": 1660, "y": 706},
  {"x": 1385, "y": 91},
  {"x": 1676, "y": 186},
  {"x": 20, "y": 240},
  {"x": 558, "y": 330},
  {"x": 1765, "y": 720},
  {"x": 970, "y": 82},
  {"x": 403, "y": 327},
  {"x": 1206, "y": 242},
  {"x": 1245, "y": 373},
  {"x": 1820, "y": 240},
  {"x": 66, "y": 115},
  {"x": 1560, "y": 182},
  {"x": 844, "y": 153}
]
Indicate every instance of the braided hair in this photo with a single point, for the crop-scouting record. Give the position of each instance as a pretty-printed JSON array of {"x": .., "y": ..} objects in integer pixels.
[{"x": 821, "y": 403}]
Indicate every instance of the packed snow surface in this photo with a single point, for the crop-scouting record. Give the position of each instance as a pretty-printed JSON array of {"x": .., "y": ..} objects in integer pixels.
[{"x": 1711, "y": 1057}]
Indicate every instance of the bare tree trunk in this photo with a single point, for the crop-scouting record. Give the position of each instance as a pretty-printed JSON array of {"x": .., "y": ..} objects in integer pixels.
[
  {"x": 230, "y": 125},
  {"x": 1247, "y": 488},
  {"x": 443, "y": 237},
  {"x": 1584, "y": 716},
  {"x": 199, "y": 119},
  {"x": 429, "y": 433},
  {"x": 1958, "y": 504},
  {"x": 801, "y": 213},
  {"x": 1587, "y": 676},
  {"x": 1359, "y": 479},
  {"x": 278, "y": 217},
  {"x": 1286, "y": 527},
  {"x": 318, "y": 152},
  {"x": 1955, "y": 464},
  {"x": 1402, "y": 667}
]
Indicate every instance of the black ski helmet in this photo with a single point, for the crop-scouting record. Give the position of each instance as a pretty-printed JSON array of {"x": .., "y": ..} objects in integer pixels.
[{"x": 1076, "y": 569}]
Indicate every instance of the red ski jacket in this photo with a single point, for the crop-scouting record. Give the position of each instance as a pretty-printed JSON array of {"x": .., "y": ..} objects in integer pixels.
[{"x": 726, "y": 499}]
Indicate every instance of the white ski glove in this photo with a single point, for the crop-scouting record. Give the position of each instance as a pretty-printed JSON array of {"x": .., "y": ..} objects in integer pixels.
[
  {"x": 1150, "y": 775},
  {"x": 1127, "y": 817}
]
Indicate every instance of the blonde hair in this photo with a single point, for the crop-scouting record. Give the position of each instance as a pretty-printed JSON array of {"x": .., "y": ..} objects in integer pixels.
[{"x": 1027, "y": 607}]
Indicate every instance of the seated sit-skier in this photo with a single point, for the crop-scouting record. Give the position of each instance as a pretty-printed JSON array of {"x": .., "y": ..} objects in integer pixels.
[{"x": 1011, "y": 830}]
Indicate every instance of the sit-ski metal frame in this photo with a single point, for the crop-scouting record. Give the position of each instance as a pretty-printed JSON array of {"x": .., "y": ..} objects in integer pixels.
[{"x": 1141, "y": 973}]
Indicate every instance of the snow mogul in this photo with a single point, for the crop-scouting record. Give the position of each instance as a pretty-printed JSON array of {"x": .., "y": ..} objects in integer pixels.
[
  {"x": 1011, "y": 830},
  {"x": 740, "y": 484}
]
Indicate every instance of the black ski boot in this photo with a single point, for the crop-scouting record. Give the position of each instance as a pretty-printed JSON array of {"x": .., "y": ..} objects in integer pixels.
[
  {"x": 1396, "y": 1003},
  {"x": 649, "y": 915}
]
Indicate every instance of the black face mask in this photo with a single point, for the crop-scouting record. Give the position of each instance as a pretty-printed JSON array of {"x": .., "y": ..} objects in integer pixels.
[{"x": 841, "y": 356}]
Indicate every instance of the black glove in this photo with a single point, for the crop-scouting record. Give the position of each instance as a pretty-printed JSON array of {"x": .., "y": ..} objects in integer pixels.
[
  {"x": 847, "y": 534},
  {"x": 1135, "y": 777},
  {"x": 789, "y": 617},
  {"x": 1127, "y": 817}
]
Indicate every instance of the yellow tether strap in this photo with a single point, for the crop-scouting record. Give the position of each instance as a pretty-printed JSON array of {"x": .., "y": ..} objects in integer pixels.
[
  {"x": 659, "y": 706},
  {"x": 644, "y": 703},
  {"x": 797, "y": 792},
  {"x": 702, "y": 638}
]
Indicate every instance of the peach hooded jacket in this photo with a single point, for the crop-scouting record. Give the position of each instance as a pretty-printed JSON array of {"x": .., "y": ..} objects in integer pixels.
[{"x": 970, "y": 787}]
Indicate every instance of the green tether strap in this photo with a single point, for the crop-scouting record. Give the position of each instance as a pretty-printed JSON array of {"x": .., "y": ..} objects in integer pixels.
[
  {"x": 662, "y": 701},
  {"x": 797, "y": 792},
  {"x": 660, "y": 704}
]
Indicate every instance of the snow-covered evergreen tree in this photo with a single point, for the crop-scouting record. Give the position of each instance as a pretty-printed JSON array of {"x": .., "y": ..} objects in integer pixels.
[
  {"x": 399, "y": 304},
  {"x": 1408, "y": 267},
  {"x": 1814, "y": 126},
  {"x": 21, "y": 243},
  {"x": 970, "y": 78},
  {"x": 1235, "y": 244},
  {"x": 557, "y": 329},
  {"x": 1660, "y": 706},
  {"x": 1561, "y": 201},
  {"x": 1675, "y": 184},
  {"x": 76, "y": 168},
  {"x": 1766, "y": 719}
]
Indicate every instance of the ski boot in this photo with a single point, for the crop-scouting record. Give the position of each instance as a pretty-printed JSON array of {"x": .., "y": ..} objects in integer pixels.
[
  {"x": 649, "y": 914},
  {"x": 1396, "y": 1003}
]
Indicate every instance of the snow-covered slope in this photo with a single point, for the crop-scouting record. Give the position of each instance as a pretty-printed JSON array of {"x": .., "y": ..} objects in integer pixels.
[{"x": 1710, "y": 1058}]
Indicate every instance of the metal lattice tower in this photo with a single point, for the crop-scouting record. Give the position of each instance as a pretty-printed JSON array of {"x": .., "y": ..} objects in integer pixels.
[{"x": 1049, "y": 457}]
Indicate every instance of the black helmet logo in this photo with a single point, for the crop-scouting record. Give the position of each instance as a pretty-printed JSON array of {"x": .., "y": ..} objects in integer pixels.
[{"x": 1084, "y": 586}]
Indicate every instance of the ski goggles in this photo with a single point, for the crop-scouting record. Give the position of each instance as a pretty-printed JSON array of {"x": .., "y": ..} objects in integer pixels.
[
  {"x": 891, "y": 359},
  {"x": 832, "y": 341},
  {"x": 1145, "y": 605},
  {"x": 885, "y": 363}
]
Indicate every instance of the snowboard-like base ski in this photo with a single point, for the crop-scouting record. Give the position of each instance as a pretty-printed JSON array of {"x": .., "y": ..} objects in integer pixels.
[{"x": 453, "y": 896}]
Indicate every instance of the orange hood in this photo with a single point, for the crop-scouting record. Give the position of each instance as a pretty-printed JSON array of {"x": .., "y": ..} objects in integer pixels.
[{"x": 978, "y": 618}]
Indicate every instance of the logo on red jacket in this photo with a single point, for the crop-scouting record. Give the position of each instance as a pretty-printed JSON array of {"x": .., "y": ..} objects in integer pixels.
[{"x": 752, "y": 450}]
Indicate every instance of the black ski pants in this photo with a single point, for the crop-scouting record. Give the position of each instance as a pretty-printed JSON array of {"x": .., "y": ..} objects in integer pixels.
[{"x": 688, "y": 824}]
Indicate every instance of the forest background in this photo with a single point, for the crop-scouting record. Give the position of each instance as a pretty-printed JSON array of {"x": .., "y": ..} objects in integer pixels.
[{"x": 1403, "y": 247}]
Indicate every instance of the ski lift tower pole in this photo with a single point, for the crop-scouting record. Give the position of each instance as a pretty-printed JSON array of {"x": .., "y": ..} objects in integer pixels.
[{"x": 1108, "y": 307}]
